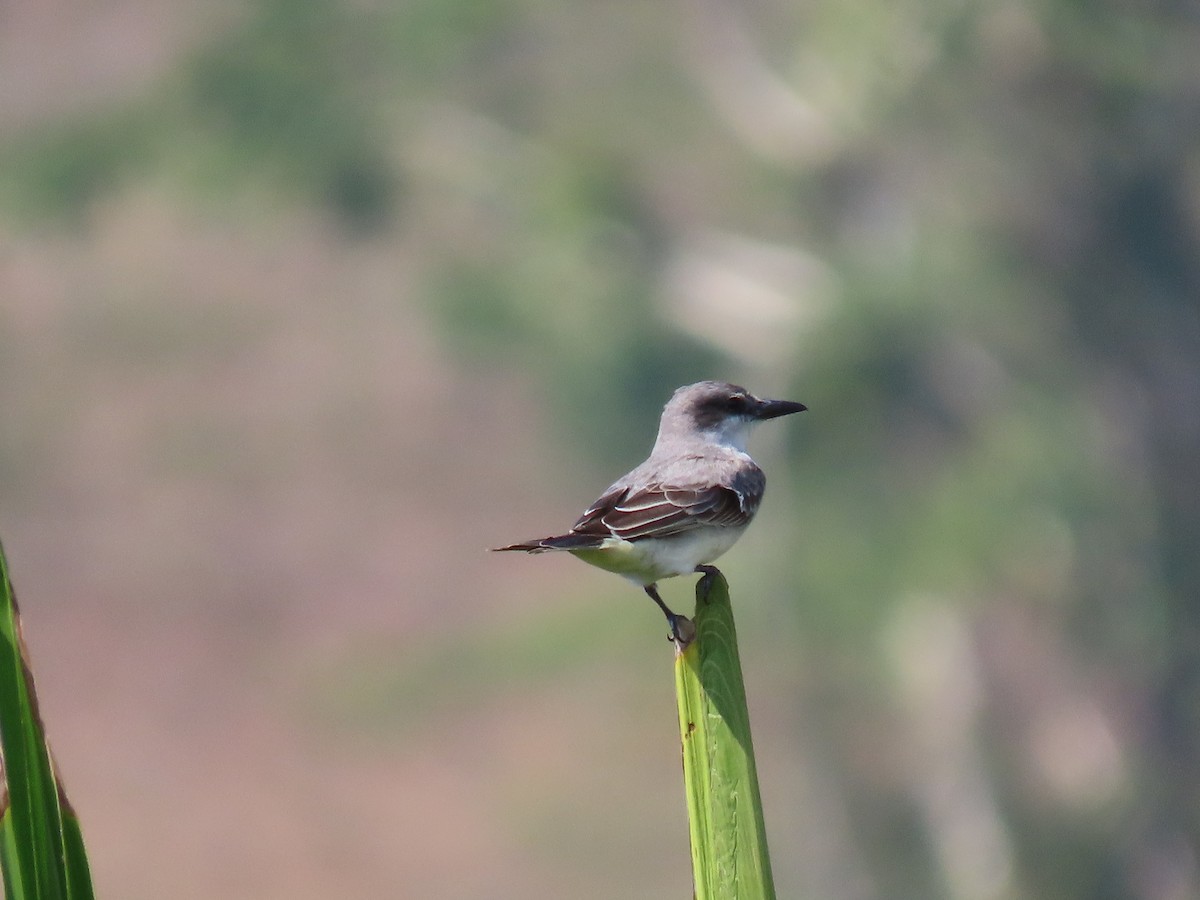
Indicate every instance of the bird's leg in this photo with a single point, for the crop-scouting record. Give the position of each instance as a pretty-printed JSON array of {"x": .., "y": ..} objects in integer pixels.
[
  {"x": 710, "y": 574},
  {"x": 682, "y": 629}
]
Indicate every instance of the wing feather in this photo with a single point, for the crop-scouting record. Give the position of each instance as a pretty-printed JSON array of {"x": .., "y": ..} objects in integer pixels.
[
  {"x": 663, "y": 507},
  {"x": 658, "y": 510}
]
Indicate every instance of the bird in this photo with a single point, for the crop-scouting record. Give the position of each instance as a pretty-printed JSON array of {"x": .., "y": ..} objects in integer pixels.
[{"x": 683, "y": 507}]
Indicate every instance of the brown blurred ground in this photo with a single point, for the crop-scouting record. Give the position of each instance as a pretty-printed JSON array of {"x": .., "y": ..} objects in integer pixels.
[
  {"x": 237, "y": 457},
  {"x": 246, "y": 487}
]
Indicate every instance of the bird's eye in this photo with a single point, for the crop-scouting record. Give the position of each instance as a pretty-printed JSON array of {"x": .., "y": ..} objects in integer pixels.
[{"x": 737, "y": 403}]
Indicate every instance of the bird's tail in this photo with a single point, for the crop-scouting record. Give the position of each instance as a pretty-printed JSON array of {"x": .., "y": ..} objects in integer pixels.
[{"x": 558, "y": 542}]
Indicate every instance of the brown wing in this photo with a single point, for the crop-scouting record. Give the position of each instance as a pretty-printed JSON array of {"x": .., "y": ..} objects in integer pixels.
[{"x": 660, "y": 511}]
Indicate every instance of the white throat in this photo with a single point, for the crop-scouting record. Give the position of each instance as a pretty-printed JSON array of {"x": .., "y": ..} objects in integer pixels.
[{"x": 731, "y": 433}]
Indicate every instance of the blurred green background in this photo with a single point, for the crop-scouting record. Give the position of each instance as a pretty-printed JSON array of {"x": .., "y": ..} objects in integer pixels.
[{"x": 306, "y": 304}]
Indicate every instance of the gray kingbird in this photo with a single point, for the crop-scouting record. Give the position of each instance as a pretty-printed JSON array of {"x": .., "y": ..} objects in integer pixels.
[{"x": 686, "y": 504}]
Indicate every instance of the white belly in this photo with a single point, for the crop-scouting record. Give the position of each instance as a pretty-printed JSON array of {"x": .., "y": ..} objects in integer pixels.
[{"x": 649, "y": 560}]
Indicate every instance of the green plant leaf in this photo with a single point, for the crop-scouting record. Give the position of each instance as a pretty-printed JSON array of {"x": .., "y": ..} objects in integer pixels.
[
  {"x": 728, "y": 836},
  {"x": 41, "y": 859}
]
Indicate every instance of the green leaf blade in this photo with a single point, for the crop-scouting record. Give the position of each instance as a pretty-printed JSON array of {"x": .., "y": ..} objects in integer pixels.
[
  {"x": 41, "y": 847},
  {"x": 728, "y": 834}
]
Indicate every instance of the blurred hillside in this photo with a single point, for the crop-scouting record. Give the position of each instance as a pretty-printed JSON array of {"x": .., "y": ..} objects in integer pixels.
[{"x": 306, "y": 304}]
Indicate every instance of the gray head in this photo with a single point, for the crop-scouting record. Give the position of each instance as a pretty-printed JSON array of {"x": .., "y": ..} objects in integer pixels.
[{"x": 718, "y": 411}]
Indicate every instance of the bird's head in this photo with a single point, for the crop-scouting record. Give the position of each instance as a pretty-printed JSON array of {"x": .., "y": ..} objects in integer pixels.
[{"x": 719, "y": 411}]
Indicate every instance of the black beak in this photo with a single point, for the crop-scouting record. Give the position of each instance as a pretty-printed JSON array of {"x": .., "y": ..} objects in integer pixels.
[{"x": 773, "y": 409}]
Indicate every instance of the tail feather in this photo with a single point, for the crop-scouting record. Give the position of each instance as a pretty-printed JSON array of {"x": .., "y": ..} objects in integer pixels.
[{"x": 558, "y": 542}]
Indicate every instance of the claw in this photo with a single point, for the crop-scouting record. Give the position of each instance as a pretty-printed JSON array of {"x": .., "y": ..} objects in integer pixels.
[
  {"x": 710, "y": 574},
  {"x": 683, "y": 631}
]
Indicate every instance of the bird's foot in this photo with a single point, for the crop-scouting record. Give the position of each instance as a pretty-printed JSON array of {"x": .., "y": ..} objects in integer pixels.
[
  {"x": 683, "y": 631},
  {"x": 710, "y": 573}
]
